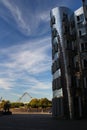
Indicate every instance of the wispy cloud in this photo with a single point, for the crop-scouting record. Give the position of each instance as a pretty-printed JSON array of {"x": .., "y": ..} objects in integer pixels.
[
  {"x": 4, "y": 83},
  {"x": 21, "y": 64},
  {"x": 26, "y": 66},
  {"x": 31, "y": 56},
  {"x": 17, "y": 15},
  {"x": 27, "y": 22}
]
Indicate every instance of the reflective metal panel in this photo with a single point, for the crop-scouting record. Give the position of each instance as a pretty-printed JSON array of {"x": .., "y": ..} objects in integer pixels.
[{"x": 58, "y": 93}]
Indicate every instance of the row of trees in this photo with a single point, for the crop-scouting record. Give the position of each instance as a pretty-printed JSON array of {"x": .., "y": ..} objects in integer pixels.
[
  {"x": 43, "y": 102},
  {"x": 34, "y": 103}
]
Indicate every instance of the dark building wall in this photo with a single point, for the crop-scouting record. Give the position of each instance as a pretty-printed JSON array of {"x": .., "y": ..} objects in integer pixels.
[{"x": 81, "y": 25}]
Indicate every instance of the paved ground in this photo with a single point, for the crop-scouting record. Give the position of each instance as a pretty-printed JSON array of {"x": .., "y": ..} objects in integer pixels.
[{"x": 39, "y": 122}]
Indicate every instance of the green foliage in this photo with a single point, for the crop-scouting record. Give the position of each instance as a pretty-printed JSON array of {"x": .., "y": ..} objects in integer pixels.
[
  {"x": 5, "y": 105},
  {"x": 43, "y": 102},
  {"x": 34, "y": 103},
  {"x": 16, "y": 104}
]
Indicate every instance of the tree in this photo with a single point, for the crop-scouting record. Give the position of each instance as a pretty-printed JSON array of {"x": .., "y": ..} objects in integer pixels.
[
  {"x": 40, "y": 103},
  {"x": 16, "y": 104},
  {"x": 44, "y": 102},
  {"x": 34, "y": 103},
  {"x": 6, "y": 105}
]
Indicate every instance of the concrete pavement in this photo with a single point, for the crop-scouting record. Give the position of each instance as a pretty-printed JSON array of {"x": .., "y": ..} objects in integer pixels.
[{"x": 39, "y": 122}]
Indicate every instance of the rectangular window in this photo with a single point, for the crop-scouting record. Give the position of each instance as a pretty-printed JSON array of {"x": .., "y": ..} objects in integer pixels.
[
  {"x": 78, "y": 18},
  {"x": 57, "y": 74},
  {"x": 72, "y": 45},
  {"x": 85, "y": 82},
  {"x": 58, "y": 93},
  {"x": 69, "y": 45},
  {"x": 86, "y": 46},
  {"x": 54, "y": 32},
  {"x": 82, "y": 47},
  {"x": 85, "y": 63},
  {"x": 58, "y": 80},
  {"x": 52, "y": 20},
  {"x": 56, "y": 47},
  {"x": 83, "y": 31},
  {"x": 77, "y": 83},
  {"x": 57, "y": 64},
  {"x": 77, "y": 66},
  {"x": 80, "y": 33}
]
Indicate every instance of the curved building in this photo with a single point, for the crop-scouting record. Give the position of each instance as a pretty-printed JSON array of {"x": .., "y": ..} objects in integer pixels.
[{"x": 67, "y": 63}]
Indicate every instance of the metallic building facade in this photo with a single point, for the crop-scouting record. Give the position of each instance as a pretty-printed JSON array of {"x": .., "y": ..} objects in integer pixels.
[{"x": 69, "y": 61}]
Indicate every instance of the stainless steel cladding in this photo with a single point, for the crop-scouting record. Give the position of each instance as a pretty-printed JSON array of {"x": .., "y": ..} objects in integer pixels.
[{"x": 69, "y": 60}]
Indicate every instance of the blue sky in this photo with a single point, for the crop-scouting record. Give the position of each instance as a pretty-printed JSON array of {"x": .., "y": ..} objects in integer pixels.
[{"x": 25, "y": 47}]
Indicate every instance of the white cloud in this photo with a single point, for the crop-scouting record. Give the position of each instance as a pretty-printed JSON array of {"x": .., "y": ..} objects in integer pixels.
[
  {"x": 23, "y": 63},
  {"x": 44, "y": 16},
  {"x": 4, "y": 83},
  {"x": 27, "y": 22},
  {"x": 31, "y": 56},
  {"x": 17, "y": 15}
]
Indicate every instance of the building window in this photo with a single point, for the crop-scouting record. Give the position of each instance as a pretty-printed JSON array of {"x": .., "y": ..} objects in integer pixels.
[
  {"x": 57, "y": 64},
  {"x": 69, "y": 45},
  {"x": 80, "y": 18},
  {"x": 56, "y": 47},
  {"x": 54, "y": 32},
  {"x": 52, "y": 20},
  {"x": 72, "y": 44},
  {"x": 82, "y": 46},
  {"x": 55, "y": 40},
  {"x": 77, "y": 64},
  {"x": 65, "y": 17},
  {"x": 86, "y": 19},
  {"x": 86, "y": 46},
  {"x": 85, "y": 82},
  {"x": 80, "y": 33},
  {"x": 72, "y": 24},
  {"x": 85, "y": 63},
  {"x": 57, "y": 74},
  {"x": 58, "y": 93},
  {"x": 77, "y": 83},
  {"x": 66, "y": 30}
]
